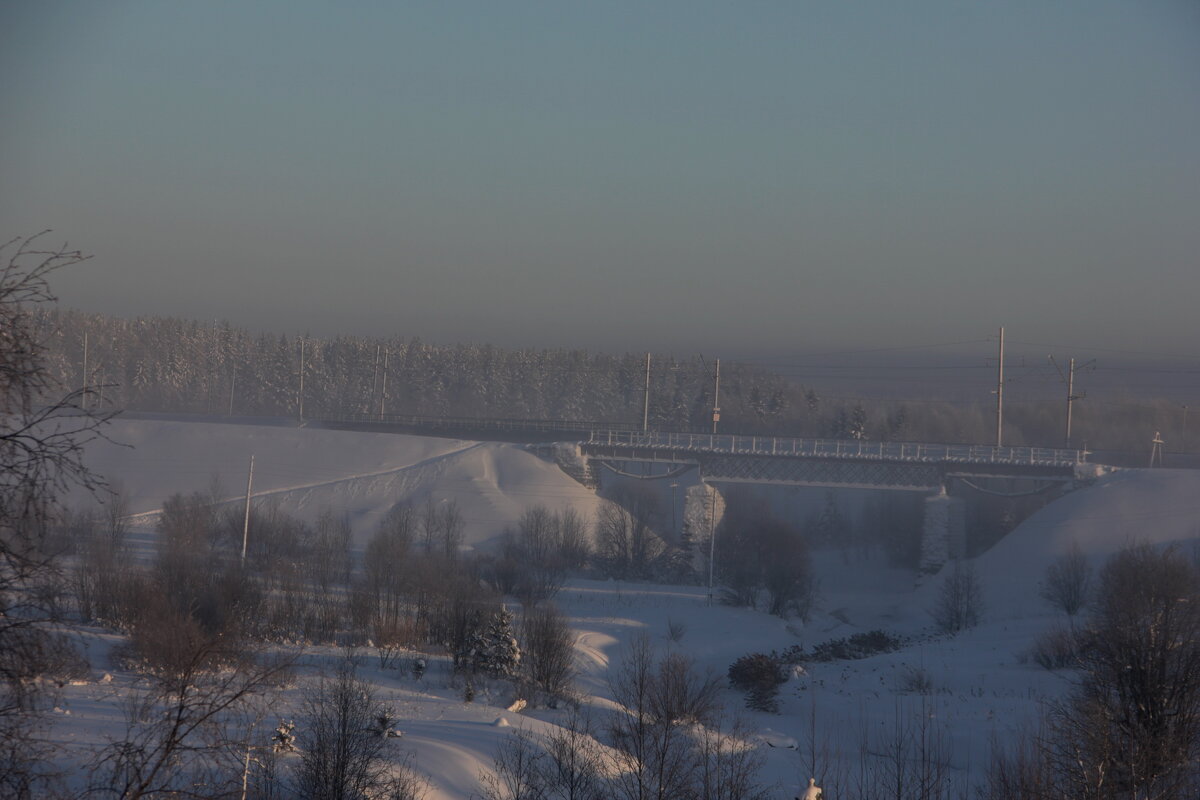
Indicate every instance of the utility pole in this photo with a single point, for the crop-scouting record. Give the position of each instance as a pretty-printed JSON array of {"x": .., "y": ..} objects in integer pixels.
[
  {"x": 302, "y": 379},
  {"x": 83, "y": 398},
  {"x": 232, "y": 385},
  {"x": 1156, "y": 449},
  {"x": 1069, "y": 380},
  {"x": 374, "y": 380},
  {"x": 383, "y": 394},
  {"x": 674, "y": 524},
  {"x": 646, "y": 401},
  {"x": 716, "y": 397},
  {"x": 246, "y": 520},
  {"x": 712, "y": 535},
  {"x": 1183, "y": 436},
  {"x": 1071, "y": 398},
  {"x": 1000, "y": 394}
]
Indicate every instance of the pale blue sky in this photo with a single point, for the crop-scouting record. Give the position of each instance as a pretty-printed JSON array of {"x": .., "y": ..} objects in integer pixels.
[{"x": 684, "y": 176}]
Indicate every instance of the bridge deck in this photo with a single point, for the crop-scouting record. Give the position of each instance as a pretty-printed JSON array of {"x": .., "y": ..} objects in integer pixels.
[{"x": 840, "y": 449}]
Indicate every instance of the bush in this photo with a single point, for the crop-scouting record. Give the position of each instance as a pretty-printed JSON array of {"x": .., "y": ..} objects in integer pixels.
[
  {"x": 960, "y": 600},
  {"x": 1057, "y": 648},
  {"x": 860, "y": 645},
  {"x": 1068, "y": 581},
  {"x": 915, "y": 680},
  {"x": 760, "y": 676}
]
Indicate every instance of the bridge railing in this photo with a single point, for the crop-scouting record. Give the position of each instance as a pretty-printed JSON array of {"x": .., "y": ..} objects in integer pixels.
[
  {"x": 474, "y": 423},
  {"x": 838, "y": 448}
]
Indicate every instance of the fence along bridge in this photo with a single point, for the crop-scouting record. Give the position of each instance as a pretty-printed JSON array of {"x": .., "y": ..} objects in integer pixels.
[{"x": 863, "y": 464}]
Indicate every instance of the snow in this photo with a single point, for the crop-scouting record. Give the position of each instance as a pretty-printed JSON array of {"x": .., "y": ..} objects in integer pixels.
[
  {"x": 310, "y": 469},
  {"x": 982, "y": 685}
]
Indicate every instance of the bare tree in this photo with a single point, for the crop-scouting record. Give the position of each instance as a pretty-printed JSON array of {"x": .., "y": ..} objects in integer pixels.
[
  {"x": 442, "y": 526},
  {"x": 548, "y": 650},
  {"x": 574, "y": 545},
  {"x": 626, "y": 544},
  {"x": 1132, "y": 727},
  {"x": 729, "y": 764},
  {"x": 516, "y": 770},
  {"x": 43, "y": 434},
  {"x": 165, "y": 750},
  {"x": 654, "y": 752},
  {"x": 668, "y": 739},
  {"x": 960, "y": 599},
  {"x": 1068, "y": 581},
  {"x": 341, "y": 749},
  {"x": 574, "y": 763},
  {"x": 756, "y": 551}
]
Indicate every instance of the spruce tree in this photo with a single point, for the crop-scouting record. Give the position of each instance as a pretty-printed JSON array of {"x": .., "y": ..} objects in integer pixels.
[{"x": 498, "y": 654}]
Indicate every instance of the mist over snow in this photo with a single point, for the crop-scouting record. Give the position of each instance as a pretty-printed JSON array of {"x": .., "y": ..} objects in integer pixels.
[{"x": 308, "y": 470}]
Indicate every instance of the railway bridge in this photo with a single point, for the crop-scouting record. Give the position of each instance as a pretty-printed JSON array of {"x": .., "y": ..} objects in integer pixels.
[{"x": 937, "y": 470}]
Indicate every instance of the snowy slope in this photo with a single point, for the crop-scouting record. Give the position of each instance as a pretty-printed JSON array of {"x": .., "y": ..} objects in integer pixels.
[
  {"x": 1159, "y": 506},
  {"x": 308, "y": 469}
]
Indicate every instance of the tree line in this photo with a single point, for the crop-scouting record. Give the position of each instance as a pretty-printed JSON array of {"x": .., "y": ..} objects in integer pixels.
[{"x": 167, "y": 364}]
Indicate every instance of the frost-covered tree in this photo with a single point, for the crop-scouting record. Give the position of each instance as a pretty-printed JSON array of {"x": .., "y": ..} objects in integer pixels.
[{"x": 498, "y": 653}]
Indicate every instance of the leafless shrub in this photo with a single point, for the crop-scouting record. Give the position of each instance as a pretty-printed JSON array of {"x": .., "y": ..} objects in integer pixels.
[
  {"x": 912, "y": 756},
  {"x": 680, "y": 694},
  {"x": 404, "y": 783},
  {"x": 659, "y": 751},
  {"x": 1055, "y": 649},
  {"x": 960, "y": 599},
  {"x": 676, "y": 629},
  {"x": 1020, "y": 769},
  {"x": 728, "y": 764},
  {"x": 1068, "y": 581},
  {"x": 548, "y": 650},
  {"x": 516, "y": 773},
  {"x": 574, "y": 763},
  {"x": 915, "y": 680}
]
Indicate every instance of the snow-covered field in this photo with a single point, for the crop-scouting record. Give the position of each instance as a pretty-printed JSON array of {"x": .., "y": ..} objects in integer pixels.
[{"x": 979, "y": 686}]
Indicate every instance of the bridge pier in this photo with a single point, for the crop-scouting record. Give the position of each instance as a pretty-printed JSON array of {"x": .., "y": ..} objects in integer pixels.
[
  {"x": 944, "y": 531},
  {"x": 703, "y": 510}
]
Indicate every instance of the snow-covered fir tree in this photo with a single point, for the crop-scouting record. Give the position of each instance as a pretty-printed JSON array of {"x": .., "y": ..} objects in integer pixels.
[{"x": 499, "y": 655}]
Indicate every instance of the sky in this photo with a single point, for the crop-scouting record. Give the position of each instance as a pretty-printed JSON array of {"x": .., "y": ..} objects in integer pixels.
[{"x": 768, "y": 178}]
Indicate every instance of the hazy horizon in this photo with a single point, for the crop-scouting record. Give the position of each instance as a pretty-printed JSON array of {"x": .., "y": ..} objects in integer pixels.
[{"x": 773, "y": 181}]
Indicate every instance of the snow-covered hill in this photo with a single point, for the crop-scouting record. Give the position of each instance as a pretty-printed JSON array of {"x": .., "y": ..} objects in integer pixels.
[{"x": 307, "y": 470}]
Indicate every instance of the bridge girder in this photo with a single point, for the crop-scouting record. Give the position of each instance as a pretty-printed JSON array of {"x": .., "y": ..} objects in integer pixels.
[
  {"x": 826, "y": 472},
  {"x": 806, "y": 472}
]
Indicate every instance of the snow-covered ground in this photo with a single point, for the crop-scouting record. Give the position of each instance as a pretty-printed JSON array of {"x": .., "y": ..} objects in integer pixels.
[
  {"x": 311, "y": 469},
  {"x": 980, "y": 686}
]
